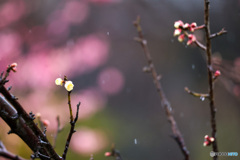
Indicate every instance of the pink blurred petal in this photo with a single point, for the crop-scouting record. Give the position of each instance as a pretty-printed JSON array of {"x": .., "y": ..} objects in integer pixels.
[
  {"x": 92, "y": 100},
  {"x": 105, "y": 1},
  {"x": 58, "y": 28},
  {"x": 75, "y": 11},
  {"x": 11, "y": 11},
  {"x": 111, "y": 80},
  {"x": 87, "y": 141},
  {"x": 89, "y": 53},
  {"x": 10, "y": 45}
]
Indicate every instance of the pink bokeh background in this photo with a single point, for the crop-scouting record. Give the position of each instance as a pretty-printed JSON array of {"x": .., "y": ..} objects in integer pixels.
[{"x": 46, "y": 51}]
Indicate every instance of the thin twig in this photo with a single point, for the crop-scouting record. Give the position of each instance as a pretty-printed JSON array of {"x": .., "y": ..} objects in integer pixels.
[
  {"x": 114, "y": 153},
  {"x": 195, "y": 94},
  {"x": 199, "y": 27},
  {"x": 223, "y": 31},
  {"x": 41, "y": 126},
  {"x": 210, "y": 76},
  {"x": 200, "y": 45},
  {"x": 59, "y": 129},
  {"x": 6, "y": 154},
  {"x": 72, "y": 130},
  {"x": 70, "y": 106},
  {"x": 164, "y": 102}
]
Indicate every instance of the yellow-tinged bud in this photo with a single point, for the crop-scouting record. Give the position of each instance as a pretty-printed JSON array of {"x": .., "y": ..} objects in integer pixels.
[
  {"x": 69, "y": 85},
  {"x": 59, "y": 81},
  {"x": 177, "y": 32}
]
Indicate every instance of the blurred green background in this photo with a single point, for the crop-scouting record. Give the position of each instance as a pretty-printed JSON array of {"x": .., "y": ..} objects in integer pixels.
[{"x": 91, "y": 42}]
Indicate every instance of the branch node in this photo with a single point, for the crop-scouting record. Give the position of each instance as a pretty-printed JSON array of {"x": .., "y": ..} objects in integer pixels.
[
  {"x": 14, "y": 97},
  {"x": 41, "y": 141},
  {"x": 9, "y": 88},
  {"x": 146, "y": 69},
  {"x": 32, "y": 116}
]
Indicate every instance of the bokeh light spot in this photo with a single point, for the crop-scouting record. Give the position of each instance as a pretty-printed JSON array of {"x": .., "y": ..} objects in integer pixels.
[
  {"x": 111, "y": 81},
  {"x": 87, "y": 141}
]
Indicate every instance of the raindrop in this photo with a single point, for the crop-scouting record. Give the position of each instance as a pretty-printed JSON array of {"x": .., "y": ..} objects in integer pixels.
[
  {"x": 29, "y": 31},
  {"x": 202, "y": 98},
  {"x": 193, "y": 66},
  {"x": 135, "y": 141},
  {"x": 172, "y": 40},
  {"x": 108, "y": 33}
]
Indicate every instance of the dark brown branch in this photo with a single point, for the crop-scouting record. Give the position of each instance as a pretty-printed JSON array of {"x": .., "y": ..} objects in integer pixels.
[
  {"x": 210, "y": 76},
  {"x": 22, "y": 123},
  {"x": 164, "y": 102},
  {"x": 72, "y": 130},
  {"x": 6, "y": 154},
  {"x": 19, "y": 126},
  {"x": 27, "y": 123}
]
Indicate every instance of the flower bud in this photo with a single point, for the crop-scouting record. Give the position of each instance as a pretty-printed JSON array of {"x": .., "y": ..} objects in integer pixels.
[
  {"x": 59, "y": 81},
  {"x": 46, "y": 122},
  {"x": 193, "y": 25},
  {"x": 177, "y": 32},
  {"x": 69, "y": 86},
  {"x": 186, "y": 25},
  {"x": 38, "y": 115},
  {"x": 108, "y": 154},
  {"x": 191, "y": 38},
  {"x": 208, "y": 140},
  {"x": 181, "y": 38},
  {"x": 206, "y": 143},
  {"x": 178, "y": 24},
  {"x": 211, "y": 139},
  {"x": 13, "y": 67},
  {"x": 217, "y": 73}
]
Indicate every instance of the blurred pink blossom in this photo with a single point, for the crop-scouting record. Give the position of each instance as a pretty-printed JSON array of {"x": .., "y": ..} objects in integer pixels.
[
  {"x": 92, "y": 100},
  {"x": 88, "y": 141},
  {"x": 105, "y": 1},
  {"x": 44, "y": 63},
  {"x": 111, "y": 80},
  {"x": 75, "y": 12},
  {"x": 89, "y": 52},
  {"x": 58, "y": 28},
  {"x": 45, "y": 103},
  {"x": 35, "y": 35},
  {"x": 10, "y": 45},
  {"x": 34, "y": 71},
  {"x": 11, "y": 11}
]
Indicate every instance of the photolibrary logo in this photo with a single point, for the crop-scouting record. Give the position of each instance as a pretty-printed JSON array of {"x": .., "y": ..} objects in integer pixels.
[{"x": 212, "y": 154}]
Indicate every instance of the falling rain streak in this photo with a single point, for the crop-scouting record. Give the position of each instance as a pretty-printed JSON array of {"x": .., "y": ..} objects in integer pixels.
[{"x": 135, "y": 141}]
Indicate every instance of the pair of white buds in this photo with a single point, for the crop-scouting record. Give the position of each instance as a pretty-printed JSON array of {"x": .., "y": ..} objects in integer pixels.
[{"x": 67, "y": 84}]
